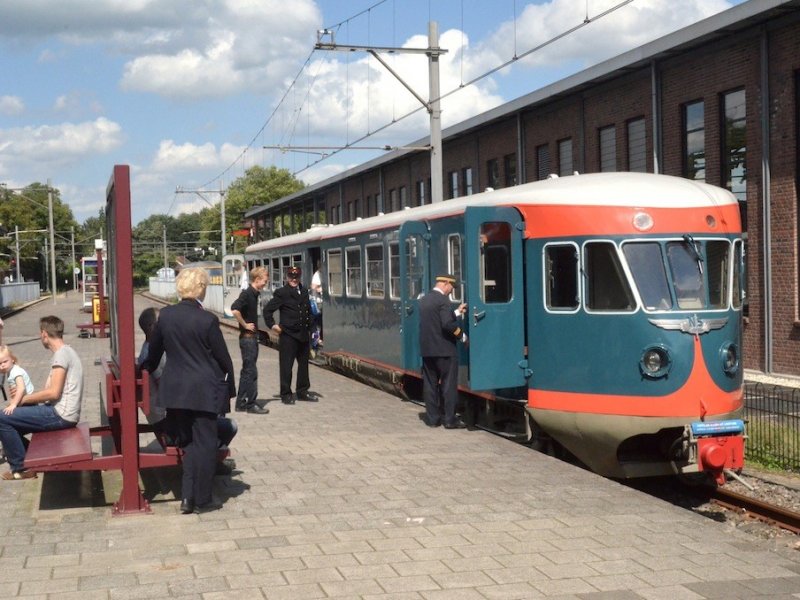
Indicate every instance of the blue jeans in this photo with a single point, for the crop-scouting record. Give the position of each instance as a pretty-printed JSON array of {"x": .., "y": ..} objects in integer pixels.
[
  {"x": 26, "y": 419},
  {"x": 248, "y": 378}
]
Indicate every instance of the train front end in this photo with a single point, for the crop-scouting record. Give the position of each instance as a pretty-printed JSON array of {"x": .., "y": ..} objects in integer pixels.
[{"x": 635, "y": 337}]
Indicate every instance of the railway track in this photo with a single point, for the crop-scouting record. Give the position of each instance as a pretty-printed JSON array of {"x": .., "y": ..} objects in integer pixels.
[{"x": 768, "y": 513}]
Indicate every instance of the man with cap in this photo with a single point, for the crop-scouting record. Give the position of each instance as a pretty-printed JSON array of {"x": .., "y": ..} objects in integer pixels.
[
  {"x": 294, "y": 330},
  {"x": 439, "y": 331}
]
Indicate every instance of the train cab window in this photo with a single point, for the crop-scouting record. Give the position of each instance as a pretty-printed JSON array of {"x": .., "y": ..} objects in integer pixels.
[
  {"x": 353, "y": 265},
  {"x": 375, "y": 282},
  {"x": 394, "y": 270},
  {"x": 686, "y": 263},
  {"x": 285, "y": 264},
  {"x": 738, "y": 274},
  {"x": 335, "y": 272},
  {"x": 297, "y": 261},
  {"x": 561, "y": 272},
  {"x": 646, "y": 263},
  {"x": 495, "y": 262},
  {"x": 717, "y": 258},
  {"x": 454, "y": 263},
  {"x": 607, "y": 286}
]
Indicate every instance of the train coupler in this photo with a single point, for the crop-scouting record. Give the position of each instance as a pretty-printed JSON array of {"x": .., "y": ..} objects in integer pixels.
[{"x": 719, "y": 446}]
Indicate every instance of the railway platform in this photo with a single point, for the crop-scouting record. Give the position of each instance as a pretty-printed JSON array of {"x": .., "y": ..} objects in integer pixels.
[{"x": 354, "y": 497}]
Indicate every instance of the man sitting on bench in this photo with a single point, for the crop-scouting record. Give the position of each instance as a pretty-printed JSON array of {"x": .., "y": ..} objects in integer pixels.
[{"x": 56, "y": 406}]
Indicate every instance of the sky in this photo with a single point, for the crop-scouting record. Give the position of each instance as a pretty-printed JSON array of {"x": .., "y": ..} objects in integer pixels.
[{"x": 191, "y": 94}]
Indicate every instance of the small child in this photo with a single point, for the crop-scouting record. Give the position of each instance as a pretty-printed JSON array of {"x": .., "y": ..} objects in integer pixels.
[{"x": 19, "y": 383}]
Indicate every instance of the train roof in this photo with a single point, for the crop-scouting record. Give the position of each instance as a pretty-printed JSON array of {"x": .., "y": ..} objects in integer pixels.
[{"x": 640, "y": 190}]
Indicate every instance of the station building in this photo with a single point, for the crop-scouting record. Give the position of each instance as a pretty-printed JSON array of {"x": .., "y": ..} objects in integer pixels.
[{"x": 718, "y": 101}]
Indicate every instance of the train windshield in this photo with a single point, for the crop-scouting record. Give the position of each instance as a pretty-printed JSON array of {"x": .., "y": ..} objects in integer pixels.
[{"x": 686, "y": 274}]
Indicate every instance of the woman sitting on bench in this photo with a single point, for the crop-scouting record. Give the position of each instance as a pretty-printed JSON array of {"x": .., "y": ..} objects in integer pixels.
[{"x": 56, "y": 406}]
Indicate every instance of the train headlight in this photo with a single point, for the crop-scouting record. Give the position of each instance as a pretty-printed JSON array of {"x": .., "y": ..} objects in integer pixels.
[
  {"x": 729, "y": 354},
  {"x": 655, "y": 362}
]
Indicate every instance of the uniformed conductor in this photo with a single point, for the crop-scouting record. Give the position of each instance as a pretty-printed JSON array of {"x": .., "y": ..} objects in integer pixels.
[
  {"x": 295, "y": 334},
  {"x": 439, "y": 331}
]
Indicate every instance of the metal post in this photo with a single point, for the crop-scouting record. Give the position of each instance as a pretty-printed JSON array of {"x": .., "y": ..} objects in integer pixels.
[
  {"x": 46, "y": 273},
  {"x": 166, "y": 262},
  {"x": 435, "y": 113},
  {"x": 52, "y": 240}
]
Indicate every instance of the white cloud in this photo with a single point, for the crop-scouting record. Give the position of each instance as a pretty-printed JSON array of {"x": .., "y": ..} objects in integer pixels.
[
  {"x": 172, "y": 157},
  {"x": 40, "y": 148},
  {"x": 11, "y": 105}
]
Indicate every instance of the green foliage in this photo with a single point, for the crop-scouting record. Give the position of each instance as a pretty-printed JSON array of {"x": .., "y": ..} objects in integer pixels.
[
  {"x": 772, "y": 445},
  {"x": 27, "y": 211}
]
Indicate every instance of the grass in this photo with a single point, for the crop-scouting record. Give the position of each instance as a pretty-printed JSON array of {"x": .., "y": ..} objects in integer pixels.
[{"x": 772, "y": 445}]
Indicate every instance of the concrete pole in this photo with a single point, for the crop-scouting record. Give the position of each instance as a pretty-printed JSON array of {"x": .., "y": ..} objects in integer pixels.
[
  {"x": 222, "y": 213},
  {"x": 166, "y": 261},
  {"x": 435, "y": 113},
  {"x": 16, "y": 243},
  {"x": 72, "y": 246},
  {"x": 52, "y": 240}
]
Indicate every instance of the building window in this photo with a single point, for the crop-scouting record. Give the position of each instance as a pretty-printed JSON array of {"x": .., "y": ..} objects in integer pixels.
[
  {"x": 694, "y": 136},
  {"x": 637, "y": 146},
  {"x": 392, "y": 201},
  {"x": 375, "y": 285},
  {"x": 466, "y": 180},
  {"x": 370, "y": 208},
  {"x": 542, "y": 161},
  {"x": 734, "y": 146},
  {"x": 403, "y": 198},
  {"x": 492, "y": 173},
  {"x": 608, "y": 149},
  {"x": 565, "y": 158},
  {"x": 353, "y": 266},
  {"x": 510, "y": 169},
  {"x": 420, "y": 193},
  {"x": 452, "y": 178}
]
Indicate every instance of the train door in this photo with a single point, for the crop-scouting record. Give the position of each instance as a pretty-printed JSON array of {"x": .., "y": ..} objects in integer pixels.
[
  {"x": 495, "y": 297},
  {"x": 414, "y": 281}
]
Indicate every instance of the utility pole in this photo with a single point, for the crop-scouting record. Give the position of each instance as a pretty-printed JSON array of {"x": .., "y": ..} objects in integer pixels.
[
  {"x": 72, "y": 245},
  {"x": 433, "y": 51},
  {"x": 166, "y": 262},
  {"x": 16, "y": 243},
  {"x": 52, "y": 239}
]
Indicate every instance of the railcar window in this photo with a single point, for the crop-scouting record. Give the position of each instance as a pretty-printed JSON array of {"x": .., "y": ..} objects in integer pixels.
[
  {"x": 414, "y": 259},
  {"x": 496, "y": 262},
  {"x": 561, "y": 272},
  {"x": 285, "y": 264},
  {"x": 275, "y": 280},
  {"x": 454, "y": 263},
  {"x": 375, "y": 283},
  {"x": 335, "y": 272},
  {"x": 646, "y": 263},
  {"x": 738, "y": 274},
  {"x": 606, "y": 285},
  {"x": 394, "y": 270},
  {"x": 297, "y": 261},
  {"x": 353, "y": 265},
  {"x": 687, "y": 275},
  {"x": 718, "y": 268}
]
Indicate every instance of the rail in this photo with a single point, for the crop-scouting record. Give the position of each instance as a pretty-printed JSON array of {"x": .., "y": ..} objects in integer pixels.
[{"x": 768, "y": 513}]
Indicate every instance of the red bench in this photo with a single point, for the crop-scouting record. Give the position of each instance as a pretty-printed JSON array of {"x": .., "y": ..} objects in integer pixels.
[{"x": 50, "y": 449}]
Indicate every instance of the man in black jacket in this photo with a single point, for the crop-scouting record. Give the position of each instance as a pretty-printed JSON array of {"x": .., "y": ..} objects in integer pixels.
[
  {"x": 245, "y": 311},
  {"x": 295, "y": 331},
  {"x": 439, "y": 331}
]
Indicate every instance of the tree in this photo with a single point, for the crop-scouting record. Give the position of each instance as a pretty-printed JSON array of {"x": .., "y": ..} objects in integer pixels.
[{"x": 258, "y": 187}]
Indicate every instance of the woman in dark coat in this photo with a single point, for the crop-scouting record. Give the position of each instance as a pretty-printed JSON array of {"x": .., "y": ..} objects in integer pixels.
[{"x": 196, "y": 385}]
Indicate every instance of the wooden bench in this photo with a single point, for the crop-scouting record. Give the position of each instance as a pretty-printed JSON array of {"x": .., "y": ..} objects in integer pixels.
[{"x": 49, "y": 449}]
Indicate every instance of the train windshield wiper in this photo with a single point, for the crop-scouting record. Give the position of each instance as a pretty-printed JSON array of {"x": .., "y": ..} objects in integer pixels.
[{"x": 692, "y": 246}]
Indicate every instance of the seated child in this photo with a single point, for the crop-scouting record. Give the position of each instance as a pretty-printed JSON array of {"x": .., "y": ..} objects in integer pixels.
[{"x": 19, "y": 383}]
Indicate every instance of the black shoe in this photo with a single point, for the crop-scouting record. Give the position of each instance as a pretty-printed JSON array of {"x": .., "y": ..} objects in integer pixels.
[
  {"x": 187, "y": 506},
  {"x": 257, "y": 410},
  {"x": 431, "y": 423},
  {"x": 287, "y": 399},
  {"x": 306, "y": 398},
  {"x": 241, "y": 408},
  {"x": 209, "y": 507},
  {"x": 223, "y": 470},
  {"x": 457, "y": 424}
]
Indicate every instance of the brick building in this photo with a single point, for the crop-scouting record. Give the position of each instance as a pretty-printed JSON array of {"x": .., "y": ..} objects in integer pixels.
[{"x": 718, "y": 101}]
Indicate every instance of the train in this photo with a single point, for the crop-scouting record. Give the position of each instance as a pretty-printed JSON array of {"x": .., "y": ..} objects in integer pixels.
[{"x": 604, "y": 315}]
